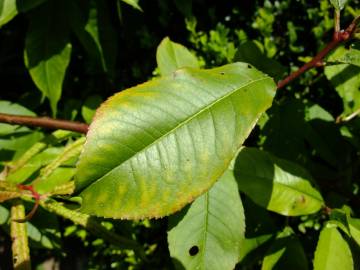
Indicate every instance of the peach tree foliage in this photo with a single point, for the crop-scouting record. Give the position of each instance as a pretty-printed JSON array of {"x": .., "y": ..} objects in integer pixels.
[{"x": 174, "y": 147}]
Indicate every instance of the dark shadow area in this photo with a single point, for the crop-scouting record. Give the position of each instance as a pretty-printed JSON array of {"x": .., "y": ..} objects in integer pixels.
[{"x": 346, "y": 74}]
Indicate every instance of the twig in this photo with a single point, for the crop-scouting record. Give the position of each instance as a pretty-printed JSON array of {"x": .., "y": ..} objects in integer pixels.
[
  {"x": 44, "y": 122},
  {"x": 338, "y": 38},
  {"x": 351, "y": 116}
]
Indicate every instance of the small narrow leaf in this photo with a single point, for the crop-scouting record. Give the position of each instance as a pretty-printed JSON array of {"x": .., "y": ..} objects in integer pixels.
[
  {"x": 210, "y": 234},
  {"x": 154, "y": 148},
  {"x": 276, "y": 184},
  {"x": 332, "y": 251},
  {"x": 133, "y": 3},
  {"x": 47, "y": 50},
  {"x": 338, "y": 4},
  {"x": 171, "y": 56}
]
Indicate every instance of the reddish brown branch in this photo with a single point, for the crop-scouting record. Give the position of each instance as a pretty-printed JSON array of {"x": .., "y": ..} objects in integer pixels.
[
  {"x": 338, "y": 38},
  {"x": 44, "y": 122}
]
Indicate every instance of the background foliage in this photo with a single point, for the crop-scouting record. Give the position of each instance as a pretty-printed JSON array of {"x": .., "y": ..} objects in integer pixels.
[{"x": 64, "y": 58}]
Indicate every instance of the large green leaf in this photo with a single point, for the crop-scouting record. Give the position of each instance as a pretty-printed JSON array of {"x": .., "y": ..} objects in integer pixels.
[
  {"x": 156, "y": 147},
  {"x": 277, "y": 184},
  {"x": 338, "y": 4},
  {"x": 47, "y": 49},
  {"x": 210, "y": 234},
  {"x": 345, "y": 78},
  {"x": 332, "y": 251},
  {"x": 171, "y": 56},
  {"x": 286, "y": 252}
]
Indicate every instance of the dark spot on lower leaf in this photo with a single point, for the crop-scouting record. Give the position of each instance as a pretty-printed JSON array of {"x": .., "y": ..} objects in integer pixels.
[
  {"x": 194, "y": 250},
  {"x": 222, "y": 73},
  {"x": 249, "y": 66}
]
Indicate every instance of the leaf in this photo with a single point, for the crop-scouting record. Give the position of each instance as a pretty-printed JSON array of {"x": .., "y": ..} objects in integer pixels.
[
  {"x": 7, "y": 11},
  {"x": 332, "y": 251},
  {"x": 346, "y": 80},
  {"x": 90, "y": 105},
  {"x": 338, "y": 4},
  {"x": 95, "y": 31},
  {"x": 133, "y": 3},
  {"x": 210, "y": 234},
  {"x": 171, "y": 56},
  {"x": 33, "y": 165},
  {"x": 169, "y": 140},
  {"x": 48, "y": 50},
  {"x": 276, "y": 184},
  {"x": 286, "y": 252},
  {"x": 252, "y": 52},
  {"x": 354, "y": 225},
  {"x": 352, "y": 57},
  {"x": 15, "y": 140}
]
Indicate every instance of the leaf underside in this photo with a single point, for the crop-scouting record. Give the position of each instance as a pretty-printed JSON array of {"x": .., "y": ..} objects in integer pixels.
[{"x": 157, "y": 146}]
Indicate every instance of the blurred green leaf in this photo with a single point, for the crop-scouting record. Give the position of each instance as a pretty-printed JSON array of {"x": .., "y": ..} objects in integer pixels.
[
  {"x": 48, "y": 50},
  {"x": 332, "y": 251},
  {"x": 15, "y": 140},
  {"x": 90, "y": 105},
  {"x": 338, "y": 4},
  {"x": 171, "y": 56},
  {"x": 7, "y": 11},
  {"x": 252, "y": 52},
  {"x": 276, "y": 184},
  {"x": 210, "y": 234}
]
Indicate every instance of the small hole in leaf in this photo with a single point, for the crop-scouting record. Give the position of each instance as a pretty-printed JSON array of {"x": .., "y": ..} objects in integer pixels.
[
  {"x": 249, "y": 66},
  {"x": 194, "y": 250},
  {"x": 222, "y": 73}
]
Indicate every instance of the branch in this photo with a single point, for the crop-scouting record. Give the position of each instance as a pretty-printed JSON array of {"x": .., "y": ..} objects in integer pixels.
[
  {"x": 44, "y": 122},
  {"x": 338, "y": 38}
]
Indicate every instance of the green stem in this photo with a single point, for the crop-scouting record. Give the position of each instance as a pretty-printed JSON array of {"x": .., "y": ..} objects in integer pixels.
[
  {"x": 91, "y": 225},
  {"x": 18, "y": 232}
]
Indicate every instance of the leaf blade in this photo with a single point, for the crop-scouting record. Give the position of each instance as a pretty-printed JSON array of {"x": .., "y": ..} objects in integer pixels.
[
  {"x": 171, "y": 56},
  {"x": 159, "y": 162},
  {"x": 276, "y": 184},
  {"x": 332, "y": 251},
  {"x": 210, "y": 227}
]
